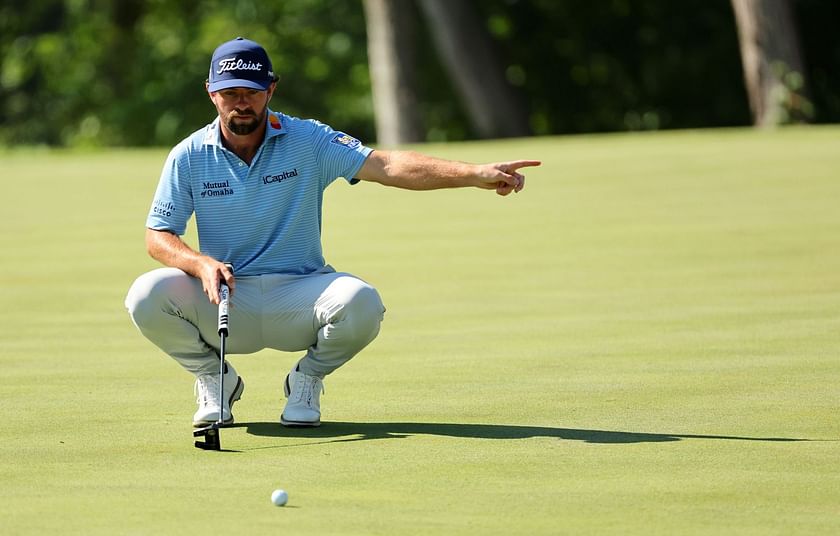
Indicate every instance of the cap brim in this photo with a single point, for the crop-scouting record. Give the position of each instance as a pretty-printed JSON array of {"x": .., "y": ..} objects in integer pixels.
[{"x": 227, "y": 84}]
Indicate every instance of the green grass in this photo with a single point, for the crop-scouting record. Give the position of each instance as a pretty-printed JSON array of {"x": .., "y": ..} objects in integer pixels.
[{"x": 644, "y": 341}]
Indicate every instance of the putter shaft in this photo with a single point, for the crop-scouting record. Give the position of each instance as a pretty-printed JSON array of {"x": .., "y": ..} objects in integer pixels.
[{"x": 212, "y": 437}]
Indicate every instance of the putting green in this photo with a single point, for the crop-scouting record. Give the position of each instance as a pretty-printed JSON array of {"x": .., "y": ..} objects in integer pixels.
[{"x": 644, "y": 341}]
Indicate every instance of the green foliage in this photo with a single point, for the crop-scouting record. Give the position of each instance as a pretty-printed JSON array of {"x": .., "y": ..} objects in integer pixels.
[
  {"x": 792, "y": 104},
  {"x": 110, "y": 72},
  {"x": 131, "y": 72}
]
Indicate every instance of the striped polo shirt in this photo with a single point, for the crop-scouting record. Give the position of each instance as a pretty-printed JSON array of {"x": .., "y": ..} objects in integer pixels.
[{"x": 263, "y": 218}]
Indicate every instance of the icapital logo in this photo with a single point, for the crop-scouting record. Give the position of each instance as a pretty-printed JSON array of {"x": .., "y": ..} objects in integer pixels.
[{"x": 268, "y": 179}]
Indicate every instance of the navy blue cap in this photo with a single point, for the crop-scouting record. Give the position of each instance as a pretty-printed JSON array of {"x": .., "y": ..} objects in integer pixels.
[{"x": 240, "y": 63}]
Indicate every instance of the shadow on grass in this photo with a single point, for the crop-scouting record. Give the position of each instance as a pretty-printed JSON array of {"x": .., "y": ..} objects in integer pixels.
[{"x": 361, "y": 431}]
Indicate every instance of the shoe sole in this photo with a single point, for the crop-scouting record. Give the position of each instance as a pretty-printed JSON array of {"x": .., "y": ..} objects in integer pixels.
[
  {"x": 234, "y": 396},
  {"x": 299, "y": 424}
]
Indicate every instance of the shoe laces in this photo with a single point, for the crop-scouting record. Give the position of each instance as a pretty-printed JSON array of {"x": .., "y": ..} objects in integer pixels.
[
  {"x": 308, "y": 386},
  {"x": 207, "y": 389}
]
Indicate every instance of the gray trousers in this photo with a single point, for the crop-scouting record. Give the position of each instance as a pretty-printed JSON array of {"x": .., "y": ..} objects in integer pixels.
[{"x": 329, "y": 314}]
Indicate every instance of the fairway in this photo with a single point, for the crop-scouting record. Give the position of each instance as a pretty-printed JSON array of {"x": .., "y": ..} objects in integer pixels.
[{"x": 644, "y": 341}]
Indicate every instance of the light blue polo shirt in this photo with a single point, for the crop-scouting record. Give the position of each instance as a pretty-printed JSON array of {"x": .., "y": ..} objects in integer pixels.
[{"x": 263, "y": 218}]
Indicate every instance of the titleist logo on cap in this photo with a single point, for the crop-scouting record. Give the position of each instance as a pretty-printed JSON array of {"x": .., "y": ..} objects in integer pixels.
[
  {"x": 240, "y": 63},
  {"x": 233, "y": 64}
]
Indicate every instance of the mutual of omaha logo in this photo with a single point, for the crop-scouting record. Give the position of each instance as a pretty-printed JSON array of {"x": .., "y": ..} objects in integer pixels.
[
  {"x": 216, "y": 189},
  {"x": 346, "y": 140}
]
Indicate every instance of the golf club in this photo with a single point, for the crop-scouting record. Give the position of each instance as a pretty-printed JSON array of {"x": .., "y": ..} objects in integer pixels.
[{"x": 212, "y": 439}]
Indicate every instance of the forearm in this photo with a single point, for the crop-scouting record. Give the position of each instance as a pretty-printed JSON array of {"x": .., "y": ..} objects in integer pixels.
[
  {"x": 414, "y": 171},
  {"x": 168, "y": 249}
]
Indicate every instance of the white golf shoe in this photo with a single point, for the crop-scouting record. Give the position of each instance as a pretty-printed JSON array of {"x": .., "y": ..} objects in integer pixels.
[
  {"x": 207, "y": 392},
  {"x": 304, "y": 405}
]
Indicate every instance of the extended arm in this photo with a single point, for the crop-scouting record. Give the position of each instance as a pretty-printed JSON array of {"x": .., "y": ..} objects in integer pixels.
[
  {"x": 168, "y": 249},
  {"x": 415, "y": 171}
]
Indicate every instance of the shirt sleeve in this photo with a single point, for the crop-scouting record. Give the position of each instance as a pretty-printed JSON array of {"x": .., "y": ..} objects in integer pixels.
[
  {"x": 338, "y": 154},
  {"x": 173, "y": 202}
]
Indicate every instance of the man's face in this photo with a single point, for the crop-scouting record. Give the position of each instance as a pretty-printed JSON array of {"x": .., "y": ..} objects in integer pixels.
[{"x": 242, "y": 110}]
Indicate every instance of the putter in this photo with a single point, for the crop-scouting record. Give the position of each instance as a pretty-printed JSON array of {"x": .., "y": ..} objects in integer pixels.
[{"x": 212, "y": 439}]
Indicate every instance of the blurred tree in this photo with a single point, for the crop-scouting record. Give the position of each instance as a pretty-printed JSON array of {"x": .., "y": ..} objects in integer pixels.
[
  {"x": 468, "y": 53},
  {"x": 391, "y": 55},
  {"x": 772, "y": 59},
  {"x": 621, "y": 64}
]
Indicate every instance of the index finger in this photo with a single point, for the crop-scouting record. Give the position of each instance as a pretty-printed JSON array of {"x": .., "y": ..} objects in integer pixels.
[{"x": 516, "y": 164}]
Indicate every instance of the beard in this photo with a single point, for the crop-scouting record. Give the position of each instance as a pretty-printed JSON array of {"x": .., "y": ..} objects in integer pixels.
[{"x": 237, "y": 123}]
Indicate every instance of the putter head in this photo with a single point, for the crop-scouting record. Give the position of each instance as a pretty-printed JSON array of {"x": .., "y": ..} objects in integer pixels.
[{"x": 211, "y": 437}]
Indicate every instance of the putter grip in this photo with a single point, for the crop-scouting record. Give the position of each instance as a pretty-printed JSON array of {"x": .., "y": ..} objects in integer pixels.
[
  {"x": 224, "y": 303},
  {"x": 224, "y": 296}
]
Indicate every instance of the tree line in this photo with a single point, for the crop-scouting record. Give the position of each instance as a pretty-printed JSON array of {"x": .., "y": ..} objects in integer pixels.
[{"x": 131, "y": 72}]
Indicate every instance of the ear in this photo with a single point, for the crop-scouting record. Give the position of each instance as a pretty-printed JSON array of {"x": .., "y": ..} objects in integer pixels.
[
  {"x": 270, "y": 91},
  {"x": 210, "y": 95}
]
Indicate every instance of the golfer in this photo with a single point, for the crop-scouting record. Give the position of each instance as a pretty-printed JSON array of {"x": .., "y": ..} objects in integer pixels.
[{"x": 255, "y": 178}]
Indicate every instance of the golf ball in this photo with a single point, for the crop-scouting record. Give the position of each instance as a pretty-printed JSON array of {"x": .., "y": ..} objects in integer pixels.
[{"x": 279, "y": 497}]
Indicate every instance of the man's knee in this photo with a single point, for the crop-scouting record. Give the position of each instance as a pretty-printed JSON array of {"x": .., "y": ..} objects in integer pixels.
[
  {"x": 361, "y": 312},
  {"x": 149, "y": 294},
  {"x": 367, "y": 306}
]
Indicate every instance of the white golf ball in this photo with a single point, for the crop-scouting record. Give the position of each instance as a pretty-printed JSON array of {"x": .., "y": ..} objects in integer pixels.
[{"x": 279, "y": 497}]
